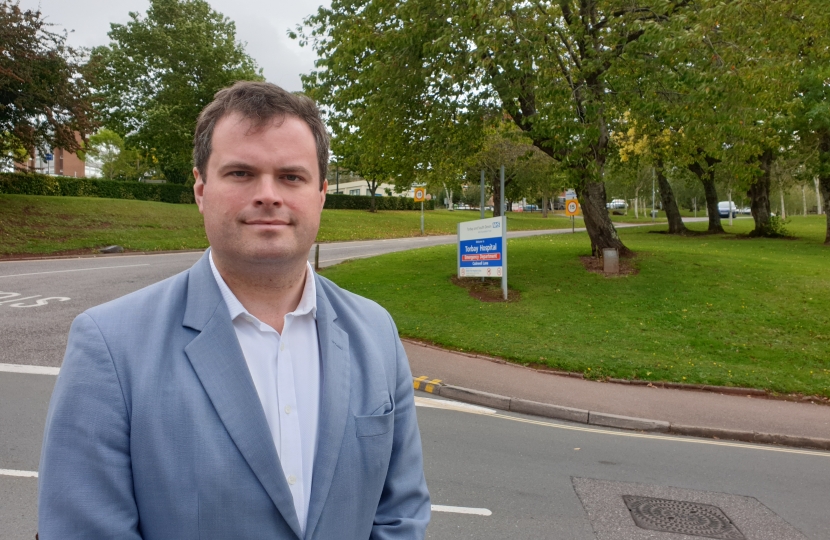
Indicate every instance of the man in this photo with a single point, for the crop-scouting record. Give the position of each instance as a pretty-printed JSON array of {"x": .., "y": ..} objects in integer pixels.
[{"x": 246, "y": 397}]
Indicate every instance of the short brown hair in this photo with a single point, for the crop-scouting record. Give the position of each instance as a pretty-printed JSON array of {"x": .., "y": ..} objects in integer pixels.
[{"x": 261, "y": 103}]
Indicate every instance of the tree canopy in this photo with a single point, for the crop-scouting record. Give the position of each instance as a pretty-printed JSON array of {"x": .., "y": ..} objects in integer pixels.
[
  {"x": 44, "y": 101},
  {"x": 159, "y": 71},
  {"x": 713, "y": 86}
]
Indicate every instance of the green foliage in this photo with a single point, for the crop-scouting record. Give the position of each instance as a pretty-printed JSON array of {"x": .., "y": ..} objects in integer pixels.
[
  {"x": 117, "y": 161},
  {"x": 364, "y": 202},
  {"x": 43, "y": 100},
  {"x": 160, "y": 70},
  {"x": 775, "y": 227},
  {"x": 40, "y": 184}
]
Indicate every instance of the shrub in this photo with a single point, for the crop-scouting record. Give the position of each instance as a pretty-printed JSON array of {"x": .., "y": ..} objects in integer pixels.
[
  {"x": 364, "y": 202},
  {"x": 66, "y": 186}
]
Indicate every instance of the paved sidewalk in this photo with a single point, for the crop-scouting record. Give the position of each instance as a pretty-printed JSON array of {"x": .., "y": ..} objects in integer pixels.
[{"x": 683, "y": 407}]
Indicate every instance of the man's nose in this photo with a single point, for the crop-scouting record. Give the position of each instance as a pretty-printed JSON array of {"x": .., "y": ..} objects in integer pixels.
[{"x": 268, "y": 192}]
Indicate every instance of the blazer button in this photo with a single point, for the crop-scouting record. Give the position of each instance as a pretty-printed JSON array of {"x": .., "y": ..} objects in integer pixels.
[{"x": 292, "y": 480}]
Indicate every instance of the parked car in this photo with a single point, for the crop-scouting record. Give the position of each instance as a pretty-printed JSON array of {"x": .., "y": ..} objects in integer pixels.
[
  {"x": 616, "y": 204},
  {"x": 724, "y": 207},
  {"x": 531, "y": 208}
]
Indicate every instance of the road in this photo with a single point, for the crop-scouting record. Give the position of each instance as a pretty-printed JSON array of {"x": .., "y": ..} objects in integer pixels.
[{"x": 519, "y": 476}]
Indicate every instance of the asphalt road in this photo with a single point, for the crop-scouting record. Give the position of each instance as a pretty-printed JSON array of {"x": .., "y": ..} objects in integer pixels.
[
  {"x": 40, "y": 298},
  {"x": 521, "y": 477}
]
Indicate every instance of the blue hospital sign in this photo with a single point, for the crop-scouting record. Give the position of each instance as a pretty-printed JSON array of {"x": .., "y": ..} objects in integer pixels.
[{"x": 481, "y": 248}]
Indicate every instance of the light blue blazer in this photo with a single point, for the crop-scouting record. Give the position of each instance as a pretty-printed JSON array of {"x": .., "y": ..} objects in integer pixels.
[{"x": 155, "y": 429}]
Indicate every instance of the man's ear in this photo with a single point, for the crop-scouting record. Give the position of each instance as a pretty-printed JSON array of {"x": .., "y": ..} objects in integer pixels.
[
  {"x": 323, "y": 191},
  {"x": 198, "y": 189}
]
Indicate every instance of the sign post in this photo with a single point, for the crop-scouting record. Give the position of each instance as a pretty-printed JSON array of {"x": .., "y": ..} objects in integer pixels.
[
  {"x": 503, "y": 234},
  {"x": 420, "y": 196}
]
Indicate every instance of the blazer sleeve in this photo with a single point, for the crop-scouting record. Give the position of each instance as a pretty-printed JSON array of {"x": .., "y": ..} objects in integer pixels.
[
  {"x": 85, "y": 487},
  {"x": 404, "y": 508}
]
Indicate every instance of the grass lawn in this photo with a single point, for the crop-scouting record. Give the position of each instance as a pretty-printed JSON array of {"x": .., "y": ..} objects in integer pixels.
[
  {"x": 43, "y": 225},
  {"x": 716, "y": 310}
]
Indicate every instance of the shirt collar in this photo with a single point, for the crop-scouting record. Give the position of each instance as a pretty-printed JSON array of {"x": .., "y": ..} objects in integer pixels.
[{"x": 308, "y": 301}]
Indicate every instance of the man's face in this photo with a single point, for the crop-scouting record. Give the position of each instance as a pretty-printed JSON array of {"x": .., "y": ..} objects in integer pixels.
[{"x": 261, "y": 199}]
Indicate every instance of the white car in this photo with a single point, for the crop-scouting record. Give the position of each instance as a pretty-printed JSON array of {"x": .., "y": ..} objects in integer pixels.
[
  {"x": 724, "y": 207},
  {"x": 616, "y": 203}
]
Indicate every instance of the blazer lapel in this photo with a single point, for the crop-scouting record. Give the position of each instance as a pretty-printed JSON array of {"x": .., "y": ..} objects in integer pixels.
[
  {"x": 334, "y": 404},
  {"x": 220, "y": 365}
]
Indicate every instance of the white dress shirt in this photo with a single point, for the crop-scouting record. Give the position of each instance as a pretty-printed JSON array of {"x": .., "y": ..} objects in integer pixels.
[{"x": 286, "y": 373}]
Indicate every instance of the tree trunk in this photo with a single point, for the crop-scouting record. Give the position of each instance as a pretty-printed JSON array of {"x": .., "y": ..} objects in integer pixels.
[
  {"x": 676, "y": 225},
  {"x": 824, "y": 183},
  {"x": 545, "y": 205},
  {"x": 783, "y": 206},
  {"x": 373, "y": 186},
  {"x": 759, "y": 196},
  {"x": 707, "y": 178},
  {"x": 496, "y": 197},
  {"x": 818, "y": 196},
  {"x": 601, "y": 230}
]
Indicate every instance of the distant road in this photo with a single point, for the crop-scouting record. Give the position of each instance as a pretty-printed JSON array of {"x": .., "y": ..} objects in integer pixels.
[{"x": 337, "y": 252}]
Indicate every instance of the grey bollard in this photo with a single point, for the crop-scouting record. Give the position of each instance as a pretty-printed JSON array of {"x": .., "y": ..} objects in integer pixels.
[{"x": 610, "y": 261}]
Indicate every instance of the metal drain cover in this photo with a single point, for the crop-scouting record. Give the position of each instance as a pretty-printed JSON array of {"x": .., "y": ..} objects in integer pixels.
[{"x": 682, "y": 517}]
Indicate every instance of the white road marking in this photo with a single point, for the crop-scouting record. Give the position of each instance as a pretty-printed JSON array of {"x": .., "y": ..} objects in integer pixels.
[
  {"x": 451, "y": 405},
  {"x": 671, "y": 438},
  {"x": 462, "y": 510},
  {"x": 30, "y": 370},
  {"x": 24, "y": 474},
  {"x": 74, "y": 270}
]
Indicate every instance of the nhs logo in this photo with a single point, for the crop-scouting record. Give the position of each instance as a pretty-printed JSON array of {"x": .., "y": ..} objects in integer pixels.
[{"x": 496, "y": 225}]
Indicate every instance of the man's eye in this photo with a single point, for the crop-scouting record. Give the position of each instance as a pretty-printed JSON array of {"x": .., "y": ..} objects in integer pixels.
[
  {"x": 292, "y": 177},
  {"x": 240, "y": 174}
]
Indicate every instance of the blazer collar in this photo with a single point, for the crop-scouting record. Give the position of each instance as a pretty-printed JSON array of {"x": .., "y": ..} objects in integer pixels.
[
  {"x": 335, "y": 389},
  {"x": 220, "y": 365}
]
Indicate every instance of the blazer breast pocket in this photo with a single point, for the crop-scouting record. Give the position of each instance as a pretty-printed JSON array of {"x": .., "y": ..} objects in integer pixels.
[{"x": 375, "y": 425}]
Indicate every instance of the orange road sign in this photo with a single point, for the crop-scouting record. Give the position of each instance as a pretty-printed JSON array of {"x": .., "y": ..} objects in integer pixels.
[
  {"x": 572, "y": 208},
  {"x": 420, "y": 194}
]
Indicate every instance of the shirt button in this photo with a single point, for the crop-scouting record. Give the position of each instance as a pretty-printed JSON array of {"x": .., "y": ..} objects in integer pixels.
[
  {"x": 292, "y": 480},
  {"x": 288, "y": 409},
  {"x": 282, "y": 347}
]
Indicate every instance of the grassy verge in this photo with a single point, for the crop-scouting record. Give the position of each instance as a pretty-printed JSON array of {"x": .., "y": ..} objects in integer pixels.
[
  {"x": 720, "y": 310},
  {"x": 43, "y": 225}
]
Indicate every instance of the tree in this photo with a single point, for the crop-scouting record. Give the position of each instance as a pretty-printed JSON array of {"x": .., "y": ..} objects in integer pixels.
[
  {"x": 526, "y": 168},
  {"x": 654, "y": 149},
  {"x": 118, "y": 162},
  {"x": 44, "y": 101},
  {"x": 556, "y": 69},
  {"x": 812, "y": 98},
  {"x": 160, "y": 70}
]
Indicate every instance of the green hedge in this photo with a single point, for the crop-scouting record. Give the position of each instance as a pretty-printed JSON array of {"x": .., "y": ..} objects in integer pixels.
[
  {"x": 364, "y": 202},
  {"x": 66, "y": 186}
]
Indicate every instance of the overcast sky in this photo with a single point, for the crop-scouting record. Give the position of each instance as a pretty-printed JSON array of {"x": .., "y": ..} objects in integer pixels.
[{"x": 262, "y": 24}]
